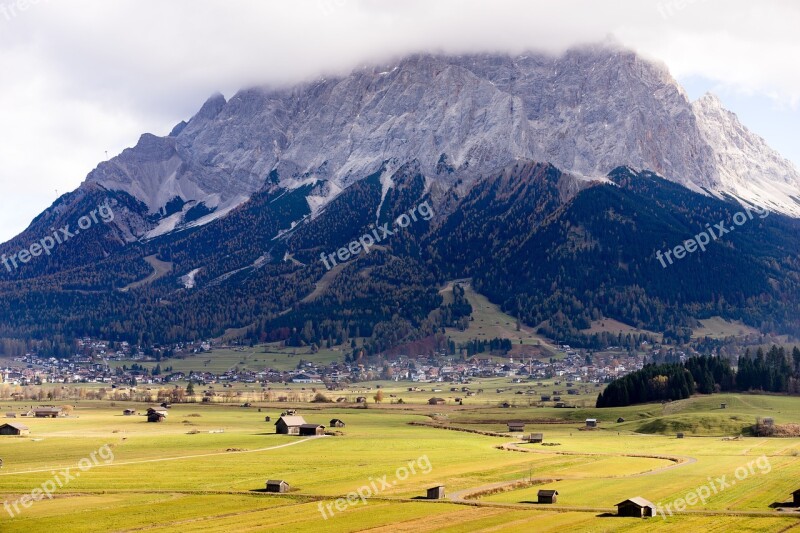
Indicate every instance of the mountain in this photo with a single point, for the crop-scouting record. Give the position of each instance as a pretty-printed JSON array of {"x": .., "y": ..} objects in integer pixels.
[
  {"x": 586, "y": 111},
  {"x": 551, "y": 181}
]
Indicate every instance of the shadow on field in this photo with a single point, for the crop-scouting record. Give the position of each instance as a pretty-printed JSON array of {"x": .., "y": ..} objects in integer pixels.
[{"x": 775, "y": 505}]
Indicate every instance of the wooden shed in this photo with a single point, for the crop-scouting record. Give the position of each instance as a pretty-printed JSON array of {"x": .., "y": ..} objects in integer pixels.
[
  {"x": 636, "y": 507},
  {"x": 17, "y": 430},
  {"x": 309, "y": 430},
  {"x": 436, "y": 401},
  {"x": 436, "y": 493},
  {"x": 547, "y": 496},
  {"x": 277, "y": 485},
  {"x": 516, "y": 426},
  {"x": 336, "y": 423},
  {"x": 289, "y": 425},
  {"x": 154, "y": 415},
  {"x": 47, "y": 412},
  {"x": 591, "y": 422},
  {"x": 536, "y": 437}
]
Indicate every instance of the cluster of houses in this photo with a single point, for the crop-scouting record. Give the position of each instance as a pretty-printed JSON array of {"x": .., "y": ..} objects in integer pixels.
[{"x": 97, "y": 362}]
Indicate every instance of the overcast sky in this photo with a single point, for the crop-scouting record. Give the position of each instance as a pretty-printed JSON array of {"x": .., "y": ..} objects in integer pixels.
[{"x": 84, "y": 77}]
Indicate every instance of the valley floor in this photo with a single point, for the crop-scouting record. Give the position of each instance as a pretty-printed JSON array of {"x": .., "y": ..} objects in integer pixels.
[{"x": 204, "y": 469}]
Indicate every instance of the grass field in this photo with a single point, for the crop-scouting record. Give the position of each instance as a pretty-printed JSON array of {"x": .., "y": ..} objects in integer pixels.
[{"x": 186, "y": 475}]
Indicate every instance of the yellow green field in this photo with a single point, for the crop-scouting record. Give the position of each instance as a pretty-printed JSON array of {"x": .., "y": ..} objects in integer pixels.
[{"x": 186, "y": 475}]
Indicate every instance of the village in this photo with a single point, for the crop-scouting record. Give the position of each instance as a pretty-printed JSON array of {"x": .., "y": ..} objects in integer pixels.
[{"x": 128, "y": 368}]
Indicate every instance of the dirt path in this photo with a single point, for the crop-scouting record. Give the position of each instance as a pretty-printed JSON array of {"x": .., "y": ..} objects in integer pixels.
[
  {"x": 163, "y": 459},
  {"x": 678, "y": 460},
  {"x": 462, "y": 495},
  {"x": 160, "y": 269}
]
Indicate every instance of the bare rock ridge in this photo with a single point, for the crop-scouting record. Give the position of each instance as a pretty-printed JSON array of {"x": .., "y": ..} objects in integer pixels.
[{"x": 587, "y": 111}]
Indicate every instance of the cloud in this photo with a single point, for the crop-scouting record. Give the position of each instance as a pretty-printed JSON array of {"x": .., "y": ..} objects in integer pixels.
[{"x": 82, "y": 77}]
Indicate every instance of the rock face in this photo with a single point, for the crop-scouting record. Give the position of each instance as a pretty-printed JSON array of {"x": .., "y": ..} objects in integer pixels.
[
  {"x": 748, "y": 168},
  {"x": 461, "y": 117}
]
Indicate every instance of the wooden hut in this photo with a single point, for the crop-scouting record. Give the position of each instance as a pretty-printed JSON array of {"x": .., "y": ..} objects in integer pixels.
[
  {"x": 436, "y": 401},
  {"x": 547, "y": 496},
  {"x": 436, "y": 493},
  {"x": 277, "y": 485},
  {"x": 591, "y": 422},
  {"x": 536, "y": 438},
  {"x": 47, "y": 412},
  {"x": 516, "y": 426},
  {"x": 289, "y": 425},
  {"x": 636, "y": 507},
  {"x": 154, "y": 415},
  {"x": 15, "y": 430},
  {"x": 336, "y": 423},
  {"x": 309, "y": 430}
]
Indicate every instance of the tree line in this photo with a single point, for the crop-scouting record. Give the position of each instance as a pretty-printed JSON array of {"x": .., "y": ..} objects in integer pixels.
[{"x": 774, "y": 371}]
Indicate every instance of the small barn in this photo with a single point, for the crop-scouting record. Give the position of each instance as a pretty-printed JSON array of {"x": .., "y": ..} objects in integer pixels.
[
  {"x": 336, "y": 423},
  {"x": 16, "y": 430},
  {"x": 591, "y": 422},
  {"x": 309, "y": 430},
  {"x": 436, "y": 493},
  {"x": 154, "y": 415},
  {"x": 289, "y": 425},
  {"x": 277, "y": 485},
  {"x": 47, "y": 412},
  {"x": 547, "y": 496},
  {"x": 536, "y": 437},
  {"x": 436, "y": 401},
  {"x": 796, "y": 495},
  {"x": 516, "y": 426},
  {"x": 636, "y": 507}
]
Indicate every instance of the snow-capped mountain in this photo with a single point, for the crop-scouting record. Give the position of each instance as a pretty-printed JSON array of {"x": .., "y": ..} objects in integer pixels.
[
  {"x": 748, "y": 168},
  {"x": 460, "y": 117}
]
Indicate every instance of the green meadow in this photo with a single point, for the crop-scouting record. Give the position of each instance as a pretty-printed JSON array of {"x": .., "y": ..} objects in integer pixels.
[{"x": 204, "y": 468}]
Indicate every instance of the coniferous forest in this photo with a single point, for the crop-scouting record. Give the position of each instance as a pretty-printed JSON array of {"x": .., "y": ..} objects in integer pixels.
[{"x": 776, "y": 371}]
